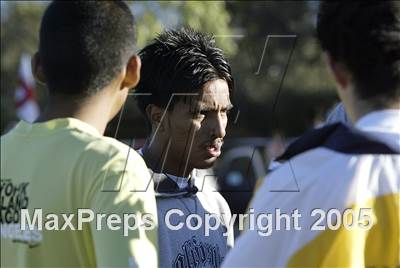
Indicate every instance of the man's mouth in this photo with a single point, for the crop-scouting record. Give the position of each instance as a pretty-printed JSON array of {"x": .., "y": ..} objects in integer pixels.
[{"x": 214, "y": 149}]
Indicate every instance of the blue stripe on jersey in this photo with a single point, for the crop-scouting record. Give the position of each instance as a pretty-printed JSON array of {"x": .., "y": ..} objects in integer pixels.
[{"x": 340, "y": 138}]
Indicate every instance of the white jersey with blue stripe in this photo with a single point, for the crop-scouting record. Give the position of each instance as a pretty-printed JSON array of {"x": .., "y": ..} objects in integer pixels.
[{"x": 335, "y": 168}]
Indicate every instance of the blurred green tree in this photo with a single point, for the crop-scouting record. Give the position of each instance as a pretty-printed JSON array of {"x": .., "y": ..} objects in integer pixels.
[
  {"x": 291, "y": 61},
  {"x": 210, "y": 17}
]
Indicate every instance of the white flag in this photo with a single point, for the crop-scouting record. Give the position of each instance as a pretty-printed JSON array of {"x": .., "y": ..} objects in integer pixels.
[{"x": 25, "y": 100}]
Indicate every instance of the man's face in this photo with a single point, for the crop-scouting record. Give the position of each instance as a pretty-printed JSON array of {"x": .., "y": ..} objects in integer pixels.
[{"x": 197, "y": 128}]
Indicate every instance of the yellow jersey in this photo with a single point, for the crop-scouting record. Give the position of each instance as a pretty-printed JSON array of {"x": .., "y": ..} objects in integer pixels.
[{"x": 72, "y": 184}]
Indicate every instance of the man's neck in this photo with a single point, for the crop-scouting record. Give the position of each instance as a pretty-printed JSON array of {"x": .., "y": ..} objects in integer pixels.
[
  {"x": 155, "y": 158},
  {"x": 91, "y": 110},
  {"x": 359, "y": 108}
]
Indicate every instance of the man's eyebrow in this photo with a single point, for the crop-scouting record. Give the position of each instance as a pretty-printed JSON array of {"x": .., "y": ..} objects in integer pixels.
[{"x": 205, "y": 108}]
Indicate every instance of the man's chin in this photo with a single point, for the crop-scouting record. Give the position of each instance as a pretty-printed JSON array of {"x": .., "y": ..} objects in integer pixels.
[{"x": 207, "y": 163}]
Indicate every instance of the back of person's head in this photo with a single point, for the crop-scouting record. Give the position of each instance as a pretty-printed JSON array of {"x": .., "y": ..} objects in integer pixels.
[
  {"x": 364, "y": 36},
  {"x": 84, "y": 45},
  {"x": 179, "y": 61}
]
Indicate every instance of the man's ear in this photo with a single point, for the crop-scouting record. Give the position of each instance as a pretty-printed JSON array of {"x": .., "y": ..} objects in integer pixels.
[
  {"x": 338, "y": 71},
  {"x": 37, "y": 69},
  {"x": 132, "y": 74},
  {"x": 155, "y": 114}
]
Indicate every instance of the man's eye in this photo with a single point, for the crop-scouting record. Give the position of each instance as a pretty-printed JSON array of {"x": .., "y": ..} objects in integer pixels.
[
  {"x": 225, "y": 111},
  {"x": 198, "y": 115}
]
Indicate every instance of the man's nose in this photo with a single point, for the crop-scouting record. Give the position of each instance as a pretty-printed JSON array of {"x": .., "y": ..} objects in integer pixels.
[{"x": 219, "y": 126}]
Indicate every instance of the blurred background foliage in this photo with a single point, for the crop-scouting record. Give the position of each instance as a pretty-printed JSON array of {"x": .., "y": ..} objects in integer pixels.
[{"x": 280, "y": 86}]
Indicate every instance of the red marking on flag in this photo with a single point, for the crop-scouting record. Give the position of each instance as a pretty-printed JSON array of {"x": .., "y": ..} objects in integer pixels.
[{"x": 29, "y": 93}]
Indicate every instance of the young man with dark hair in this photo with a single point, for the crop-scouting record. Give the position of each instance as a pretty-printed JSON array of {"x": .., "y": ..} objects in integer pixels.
[
  {"x": 344, "y": 182},
  {"x": 185, "y": 92},
  {"x": 62, "y": 163}
]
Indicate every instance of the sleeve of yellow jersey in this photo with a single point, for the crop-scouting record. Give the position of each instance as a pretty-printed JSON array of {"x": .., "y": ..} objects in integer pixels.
[{"x": 123, "y": 187}]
